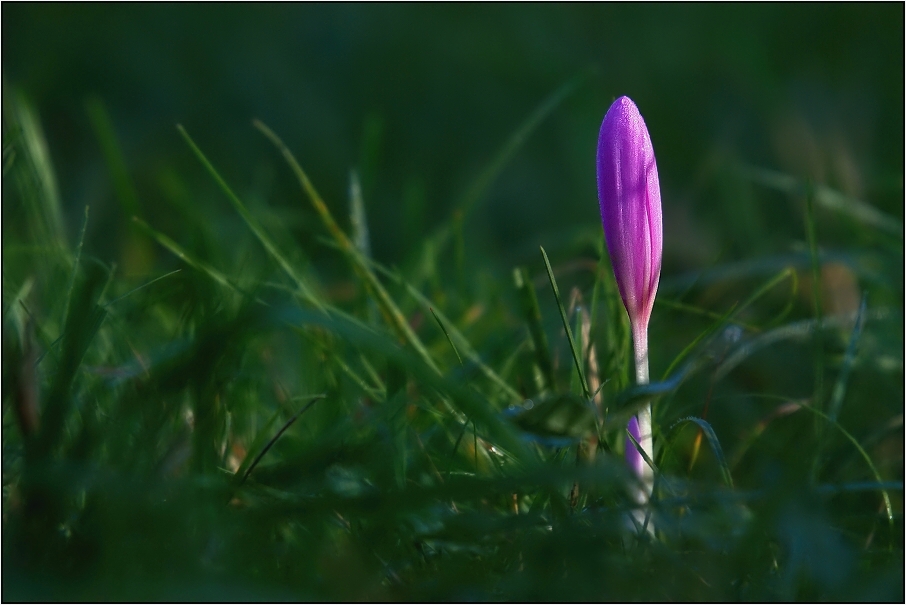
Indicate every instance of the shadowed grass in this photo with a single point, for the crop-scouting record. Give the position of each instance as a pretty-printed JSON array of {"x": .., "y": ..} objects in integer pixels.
[{"x": 179, "y": 451}]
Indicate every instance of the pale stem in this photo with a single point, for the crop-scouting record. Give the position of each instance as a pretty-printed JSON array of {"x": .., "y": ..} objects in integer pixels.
[{"x": 640, "y": 343}]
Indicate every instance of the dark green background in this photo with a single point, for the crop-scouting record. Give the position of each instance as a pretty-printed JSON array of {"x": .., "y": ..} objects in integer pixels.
[{"x": 419, "y": 98}]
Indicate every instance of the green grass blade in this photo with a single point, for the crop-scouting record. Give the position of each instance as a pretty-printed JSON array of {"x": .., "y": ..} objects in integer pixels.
[
  {"x": 466, "y": 400},
  {"x": 839, "y": 391},
  {"x": 273, "y": 440},
  {"x": 456, "y": 336},
  {"x": 389, "y": 308},
  {"x": 730, "y": 315},
  {"x": 144, "y": 285},
  {"x": 713, "y": 442},
  {"x": 358, "y": 220},
  {"x": 532, "y": 314},
  {"x": 77, "y": 259},
  {"x": 812, "y": 237},
  {"x": 447, "y": 334},
  {"x": 305, "y": 290},
  {"x": 569, "y": 334},
  {"x": 184, "y": 256},
  {"x": 35, "y": 176},
  {"x": 826, "y": 197},
  {"x": 862, "y": 452}
]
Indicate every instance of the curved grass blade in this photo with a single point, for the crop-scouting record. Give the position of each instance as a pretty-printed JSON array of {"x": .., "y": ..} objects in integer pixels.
[
  {"x": 730, "y": 314},
  {"x": 447, "y": 334},
  {"x": 862, "y": 453},
  {"x": 705, "y": 427},
  {"x": 270, "y": 444},
  {"x": 796, "y": 330}
]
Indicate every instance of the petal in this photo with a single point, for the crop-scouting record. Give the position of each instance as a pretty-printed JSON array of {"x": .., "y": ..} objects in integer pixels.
[{"x": 630, "y": 201}]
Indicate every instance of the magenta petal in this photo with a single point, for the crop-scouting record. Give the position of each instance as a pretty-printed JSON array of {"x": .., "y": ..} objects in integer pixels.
[
  {"x": 630, "y": 198},
  {"x": 634, "y": 459}
]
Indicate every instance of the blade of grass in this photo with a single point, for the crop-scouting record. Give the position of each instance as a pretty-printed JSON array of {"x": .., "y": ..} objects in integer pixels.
[
  {"x": 729, "y": 315},
  {"x": 144, "y": 285},
  {"x": 569, "y": 335},
  {"x": 468, "y": 401},
  {"x": 456, "y": 336},
  {"x": 532, "y": 314},
  {"x": 35, "y": 179},
  {"x": 173, "y": 247},
  {"x": 705, "y": 427},
  {"x": 447, "y": 334},
  {"x": 391, "y": 312},
  {"x": 812, "y": 238},
  {"x": 77, "y": 258},
  {"x": 797, "y": 330},
  {"x": 862, "y": 452},
  {"x": 305, "y": 290},
  {"x": 839, "y": 390},
  {"x": 270, "y": 444},
  {"x": 826, "y": 197}
]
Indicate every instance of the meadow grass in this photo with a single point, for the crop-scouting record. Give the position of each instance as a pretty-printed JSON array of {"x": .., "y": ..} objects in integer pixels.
[{"x": 249, "y": 421}]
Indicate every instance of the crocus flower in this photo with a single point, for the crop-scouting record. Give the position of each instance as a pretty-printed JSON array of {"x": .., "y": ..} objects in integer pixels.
[{"x": 630, "y": 199}]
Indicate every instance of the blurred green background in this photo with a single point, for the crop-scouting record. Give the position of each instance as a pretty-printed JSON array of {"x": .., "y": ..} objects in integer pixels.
[{"x": 418, "y": 99}]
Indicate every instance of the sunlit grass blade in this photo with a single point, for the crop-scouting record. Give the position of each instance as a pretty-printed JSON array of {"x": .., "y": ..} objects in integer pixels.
[
  {"x": 34, "y": 175},
  {"x": 360, "y": 236},
  {"x": 455, "y": 335},
  {"x": 705, "y": 427},
  {"x": 184, "y": 256},
  {"x": 305, "y": 289},
  {"x": 389, "y": 308},
  {"x": 569, "y": 335}
]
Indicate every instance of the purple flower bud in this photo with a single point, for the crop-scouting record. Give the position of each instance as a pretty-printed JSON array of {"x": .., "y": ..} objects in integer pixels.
[{"x": 630, "y": 199}]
